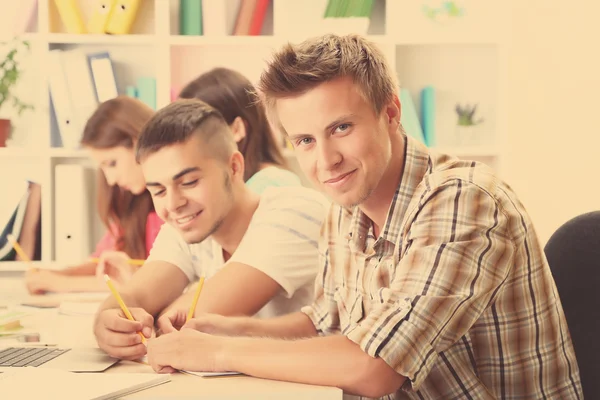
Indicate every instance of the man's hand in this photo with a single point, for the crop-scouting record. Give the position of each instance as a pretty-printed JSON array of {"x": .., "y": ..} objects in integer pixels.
[
  {"x": 186, "y": 349},
  {"x": 116, "y": 265},
  {"x": 119, "y": 337},
  {"x": 216, "y": 324},
  {"x": 171, "y": 321}
]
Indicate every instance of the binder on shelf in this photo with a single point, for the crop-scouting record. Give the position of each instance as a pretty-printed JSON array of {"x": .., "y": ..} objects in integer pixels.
[
  {"x": 25, "y": 18},
  {"x": 146, "y": 91},
  {"x": 61, "y": 101},
  {"x": 258, "y": 17},
  {"x": 190, "y": 17},
  {"x": 428, "y": 114},
  {"x": 409, "y": 117},
  {"x": 131, "y": 91},
  {"x": 70, "y": 15},
  {"x": 72, "y": 200},
  {"x": 99, "y": 18},
  {"x": 103, "y": 76},
  {"x": 12, "y": 213},
  {"x": 30, "y": 239},
  {"x": 244, "y": 17},
  {"x": 122, "y": 16},
  {"x": 81, "y": 91},
  {"x": 214, "y": 18}
]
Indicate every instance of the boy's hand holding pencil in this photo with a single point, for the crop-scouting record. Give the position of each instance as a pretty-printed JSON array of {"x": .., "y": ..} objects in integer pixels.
[{"x": 123, "y": 332}]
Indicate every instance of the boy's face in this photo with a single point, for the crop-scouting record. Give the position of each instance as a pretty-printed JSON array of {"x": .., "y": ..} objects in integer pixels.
[
  {"x": 340, "y": 144},
  {"x": 191, "y": 191}
]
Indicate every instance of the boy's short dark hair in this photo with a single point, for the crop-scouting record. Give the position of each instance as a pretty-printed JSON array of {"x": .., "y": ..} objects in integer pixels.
[{"x": 178, "y": 122}]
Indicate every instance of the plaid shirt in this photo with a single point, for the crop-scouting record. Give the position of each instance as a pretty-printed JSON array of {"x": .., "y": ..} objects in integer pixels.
[{"x": 455, "y": 294}]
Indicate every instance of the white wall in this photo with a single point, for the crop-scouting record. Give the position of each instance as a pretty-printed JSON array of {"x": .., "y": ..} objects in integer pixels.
[{"x": 554, "y": 81}]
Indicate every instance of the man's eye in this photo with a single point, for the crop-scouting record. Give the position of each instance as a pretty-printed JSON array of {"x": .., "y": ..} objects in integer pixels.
[
  {"x": 343, "y": 127},
  {"x": 190, "y": 183},
  {"x": 305, "y": 141},
  {"x": 158, "y": 193}
]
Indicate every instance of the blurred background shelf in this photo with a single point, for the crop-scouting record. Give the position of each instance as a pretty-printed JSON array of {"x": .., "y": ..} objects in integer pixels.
[{"x": 422, "y": 49}]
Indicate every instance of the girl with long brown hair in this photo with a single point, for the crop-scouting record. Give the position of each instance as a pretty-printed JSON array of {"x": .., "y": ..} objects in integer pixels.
[
  {"x": 233, "y": 95},
  {"x": 124, "y": 205}
]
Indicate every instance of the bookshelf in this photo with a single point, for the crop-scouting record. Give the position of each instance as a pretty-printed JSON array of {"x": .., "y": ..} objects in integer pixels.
[{"x": 464, "y": 59}]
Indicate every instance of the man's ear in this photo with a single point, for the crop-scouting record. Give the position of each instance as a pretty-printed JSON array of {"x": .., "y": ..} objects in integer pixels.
[
  {"x": 393, "y": 112},
  {"x": 238, "y": 127},
  {"x": 236, "y": 165}
]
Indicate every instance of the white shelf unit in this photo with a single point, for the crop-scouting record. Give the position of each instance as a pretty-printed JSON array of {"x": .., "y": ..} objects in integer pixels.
[{"x": 464, "y": 59}]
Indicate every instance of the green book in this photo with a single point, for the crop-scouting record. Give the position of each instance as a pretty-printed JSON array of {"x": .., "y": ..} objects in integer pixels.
[{"x": 190, "y": 17}]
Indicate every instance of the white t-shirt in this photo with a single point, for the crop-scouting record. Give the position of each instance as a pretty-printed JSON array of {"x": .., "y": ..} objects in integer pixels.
[{"x": 281, "y": 241}]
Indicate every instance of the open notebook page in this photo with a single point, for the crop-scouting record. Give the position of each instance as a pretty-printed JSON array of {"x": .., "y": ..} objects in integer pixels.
[
  {"x": 144, "y": 360},
  {"x": 46, "y": 383}
]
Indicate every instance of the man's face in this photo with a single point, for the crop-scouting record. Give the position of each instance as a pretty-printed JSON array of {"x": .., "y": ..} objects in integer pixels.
[
  {"x": 340, "y": 144},
  {"x": 191, "y": 190}
]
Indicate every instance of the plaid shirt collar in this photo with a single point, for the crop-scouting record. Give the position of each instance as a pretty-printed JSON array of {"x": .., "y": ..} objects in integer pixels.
[{"x": 417, "y": 163}]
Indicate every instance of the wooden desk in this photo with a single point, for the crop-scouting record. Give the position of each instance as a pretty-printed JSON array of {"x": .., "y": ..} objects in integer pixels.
[{"x": 76, "y": 331}]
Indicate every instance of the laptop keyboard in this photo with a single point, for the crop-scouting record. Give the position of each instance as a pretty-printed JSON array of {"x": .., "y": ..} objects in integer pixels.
[{"x": 28, "y": 356}]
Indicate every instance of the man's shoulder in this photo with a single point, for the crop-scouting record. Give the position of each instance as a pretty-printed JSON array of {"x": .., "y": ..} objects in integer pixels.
[
  {"x": 278, "y": 197},
  {"x": 471, "y": 175}
]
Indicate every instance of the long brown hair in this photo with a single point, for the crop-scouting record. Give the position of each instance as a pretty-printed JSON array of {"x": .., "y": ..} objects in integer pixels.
[
  {"x": 118, "y": 123},
  {"x": 232, "y": 94}
]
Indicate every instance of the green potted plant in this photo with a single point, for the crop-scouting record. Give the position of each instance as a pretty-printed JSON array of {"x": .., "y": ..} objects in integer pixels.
[
  {"x": 10, "y": 73},
  {"x": 466, "y": 129}
]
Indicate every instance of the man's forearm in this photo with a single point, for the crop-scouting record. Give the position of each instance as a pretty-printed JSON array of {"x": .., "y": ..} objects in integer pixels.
[
  {"x": 327, "y": 361},
  {"x": 291, "y": 326}
]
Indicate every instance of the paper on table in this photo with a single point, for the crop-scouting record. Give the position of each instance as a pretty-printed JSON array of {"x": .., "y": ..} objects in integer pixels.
[
  {"x": 77, "y": 308},
  {"x": 144, "y": 360},
  {"x": 50, "y": 383}
]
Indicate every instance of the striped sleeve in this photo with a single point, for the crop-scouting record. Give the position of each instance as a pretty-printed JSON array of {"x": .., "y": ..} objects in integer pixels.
[
  {"x": 282, "y": 239},
  {"x": 456, "y": 255}
]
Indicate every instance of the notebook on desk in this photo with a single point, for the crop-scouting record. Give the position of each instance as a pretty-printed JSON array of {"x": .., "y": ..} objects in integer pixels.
[
  {"x": 56, "y": 384},
  {"x": 65, "y": 359}
]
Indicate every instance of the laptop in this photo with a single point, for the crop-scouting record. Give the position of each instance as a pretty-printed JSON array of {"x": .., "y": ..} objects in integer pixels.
[{"x": 62, "y": 358}]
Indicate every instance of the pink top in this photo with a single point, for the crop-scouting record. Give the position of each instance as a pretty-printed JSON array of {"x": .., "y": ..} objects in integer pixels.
[{"x": 153, "y": 224}]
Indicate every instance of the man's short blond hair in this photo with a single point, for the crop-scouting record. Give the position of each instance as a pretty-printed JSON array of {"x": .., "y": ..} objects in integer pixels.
[{"x": 296, "y": 69}]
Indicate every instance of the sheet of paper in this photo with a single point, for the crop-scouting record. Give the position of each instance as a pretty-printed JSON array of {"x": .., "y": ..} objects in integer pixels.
[
  {"x": 56, "y": 384},
  {"x": 144, "y": 360},
  {"x": 77, "y": 308}
]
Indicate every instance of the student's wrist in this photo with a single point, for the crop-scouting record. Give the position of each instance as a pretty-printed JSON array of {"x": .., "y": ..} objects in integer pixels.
[{"x": 231, "y": 352}]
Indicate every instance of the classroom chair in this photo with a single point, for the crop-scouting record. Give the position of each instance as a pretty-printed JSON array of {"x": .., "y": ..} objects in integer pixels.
[{"x": 573, "y": 252}]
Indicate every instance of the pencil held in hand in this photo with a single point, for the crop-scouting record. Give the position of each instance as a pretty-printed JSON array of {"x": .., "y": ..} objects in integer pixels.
[
  {"x": 122, "y": 304},
  {"x": 195, "y": 301}
]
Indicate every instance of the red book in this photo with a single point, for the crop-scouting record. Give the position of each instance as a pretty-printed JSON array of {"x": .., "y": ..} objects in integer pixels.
[{"x": 258, "y": 17}]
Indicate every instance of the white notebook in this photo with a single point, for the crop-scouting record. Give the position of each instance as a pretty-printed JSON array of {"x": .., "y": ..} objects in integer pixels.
[
  {"x": 203, "y": 374},
  {"x": 46, "y": 383}
]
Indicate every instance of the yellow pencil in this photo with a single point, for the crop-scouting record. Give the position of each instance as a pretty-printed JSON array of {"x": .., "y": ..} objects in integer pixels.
[
  {"x": 20, "y": 251},
  {"x": 132, "y": 261},
  {"x": 18, "y": 248},
  {"x": 195, "y": 301},
  {"x": 122, "y": 304}
]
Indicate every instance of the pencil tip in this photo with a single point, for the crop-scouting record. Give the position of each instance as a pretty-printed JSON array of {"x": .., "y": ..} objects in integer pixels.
[{"x": 106, "y": 278}]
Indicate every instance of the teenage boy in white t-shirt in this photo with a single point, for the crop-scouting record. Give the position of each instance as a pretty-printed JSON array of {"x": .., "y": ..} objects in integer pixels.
[{"x": 259, "y": 254}]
